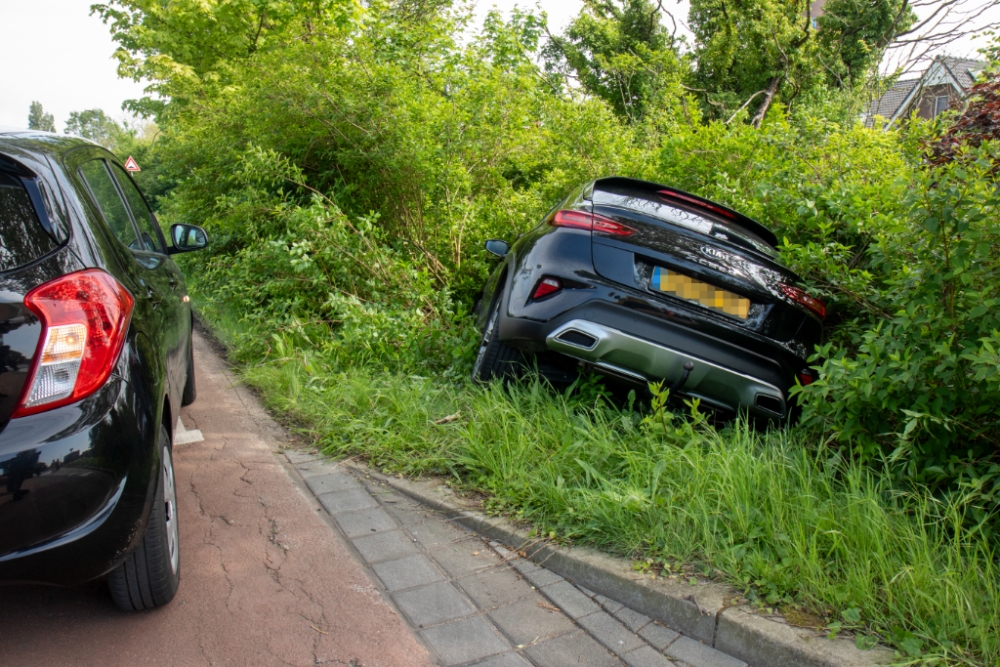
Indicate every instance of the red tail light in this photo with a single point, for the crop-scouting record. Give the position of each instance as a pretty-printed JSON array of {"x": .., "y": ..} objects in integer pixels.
[
  {"x": 806, "y": 377},
  {"x": 590, "y": 221},
  {"x": 546, "y": 287},
  {"x": 803, "y": 298},
  {"x": 84, "y": 319}
]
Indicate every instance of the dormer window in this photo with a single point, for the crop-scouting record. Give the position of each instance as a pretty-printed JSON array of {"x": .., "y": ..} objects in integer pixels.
[{"x": 941, "y": 103}]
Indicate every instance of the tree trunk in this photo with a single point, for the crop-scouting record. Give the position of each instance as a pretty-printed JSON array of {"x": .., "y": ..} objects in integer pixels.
[{"x": 769, "y": 93}]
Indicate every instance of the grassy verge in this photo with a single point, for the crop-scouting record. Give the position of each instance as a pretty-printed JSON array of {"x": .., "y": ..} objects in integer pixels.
[{"x": 792, "y": 524}]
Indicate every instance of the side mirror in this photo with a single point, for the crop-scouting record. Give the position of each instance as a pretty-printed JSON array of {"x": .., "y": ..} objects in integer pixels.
[
  {"x": 498, "y": 247},
  {"x": 187, "y": 238}
]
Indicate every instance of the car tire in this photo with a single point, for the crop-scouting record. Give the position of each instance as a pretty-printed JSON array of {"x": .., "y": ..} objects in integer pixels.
[
  {"x": 495, "y": 359},
  {"x": 190, "y": 391},
  {"x": 150, "y": 574}
]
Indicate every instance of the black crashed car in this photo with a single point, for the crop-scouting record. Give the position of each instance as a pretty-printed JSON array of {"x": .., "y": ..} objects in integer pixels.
[
  {"x": 647, "y": 283},
  {"x": 95, "y": 363}
]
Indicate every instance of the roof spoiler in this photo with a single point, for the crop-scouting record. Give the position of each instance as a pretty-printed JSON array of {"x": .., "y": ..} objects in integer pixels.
[{"x": 673, "y": 195}]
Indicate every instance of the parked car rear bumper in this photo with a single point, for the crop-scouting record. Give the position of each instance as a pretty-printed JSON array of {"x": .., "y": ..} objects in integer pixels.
[{"x": 84, "y": 502}]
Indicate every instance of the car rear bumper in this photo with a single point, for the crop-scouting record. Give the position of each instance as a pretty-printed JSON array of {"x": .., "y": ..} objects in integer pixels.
[
  {"x": 639, "y": 360},
  {"x": 641, "y": 341},
  {"x": 77, "y": 497}
]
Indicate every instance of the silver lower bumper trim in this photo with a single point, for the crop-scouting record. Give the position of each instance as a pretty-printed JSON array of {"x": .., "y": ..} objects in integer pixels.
[{"x": 639, "y": 359}]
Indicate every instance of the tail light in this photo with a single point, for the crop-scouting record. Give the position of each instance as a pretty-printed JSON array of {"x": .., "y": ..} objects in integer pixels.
[
  {"x": 84, "y": 318},
  {"x": 806, "y": 377},
  {"x": 803, "y": 298},
  {"x": 590, "y": 222},
  {"x": 546, "y": 286}
]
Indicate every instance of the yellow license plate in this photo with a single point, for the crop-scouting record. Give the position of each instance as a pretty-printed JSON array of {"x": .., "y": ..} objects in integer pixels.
[{"x": 709, "y": 296}]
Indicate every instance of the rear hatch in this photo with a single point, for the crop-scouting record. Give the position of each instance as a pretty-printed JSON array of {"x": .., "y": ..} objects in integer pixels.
[
  {"x": 695, "y": 255},
  {"x": 23, "y": 241}
]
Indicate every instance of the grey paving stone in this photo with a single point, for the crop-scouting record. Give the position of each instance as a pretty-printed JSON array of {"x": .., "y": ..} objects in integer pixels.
[
  {"x": 465, "y": 640},
  {"x": 389, "y": 545},
  {"x": 347, "y": 501},
  {"x": 526, "y": 621},
  {"x": 607, "y": 630},
  {"x": 407, "y": 572},
  {"x": 586, "y": 591},
  {"x": 659, "y": 636},
  {"x": 573, "y": 650},
  {"x": 570, "y": 600},
  {"x": 458, "y": 560},
  {"x": 406, "y": 511},
  {"x": 495, "y": 588},
  {"x": 297, "y": 456},
  {"x": 365, "y": 522},
  {"x": 632, "y": 619},
  {"x": 332, "y": 481},
  {"x": 609, "y": 605},
  {"x": 697, "y": 654},
  {"x": 318, "y": 467},
  {"x": 538, "y": 576},
  {"x": 437, "y": 533},
  {"x": 646, "y": 656},
  {"x": 504, "y": 660},
  {"x": 433, "y": 604}
]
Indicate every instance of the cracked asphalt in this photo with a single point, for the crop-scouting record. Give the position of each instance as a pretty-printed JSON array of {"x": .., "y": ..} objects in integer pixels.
[{"x": 264, "y": 579}]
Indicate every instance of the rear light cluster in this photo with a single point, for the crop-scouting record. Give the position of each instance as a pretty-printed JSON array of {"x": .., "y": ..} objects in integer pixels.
[
  {"x": 84, "y": 317},
  {"x": 546, "y": 286},
  {"x": 590, "y": 222},
  {"x": 803, "y": 298}
]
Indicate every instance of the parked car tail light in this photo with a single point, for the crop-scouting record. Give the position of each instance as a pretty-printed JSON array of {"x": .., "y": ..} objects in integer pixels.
[
  {"x": 803, "y": 298},
  {"x": 591, "y": 222},
  {"x": 546, "y": 287},
  {"x": 806, "y": 377},
  {"x": 84, "y": 319}
]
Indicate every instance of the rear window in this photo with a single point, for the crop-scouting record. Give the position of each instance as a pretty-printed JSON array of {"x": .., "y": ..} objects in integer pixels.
[
  {"x": 22, "y": 237},
  {"x": 703, "y": 222}
]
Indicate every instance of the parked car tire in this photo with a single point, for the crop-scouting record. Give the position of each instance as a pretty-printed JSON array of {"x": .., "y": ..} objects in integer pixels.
[
  {"x": 150, "y": 574},
  {"x": 495, "y": 359},
  {"x": 190, "y": 391}
]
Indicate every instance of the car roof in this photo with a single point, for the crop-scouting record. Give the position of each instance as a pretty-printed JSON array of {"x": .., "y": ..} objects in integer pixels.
[{"x": 38, "y": 142}]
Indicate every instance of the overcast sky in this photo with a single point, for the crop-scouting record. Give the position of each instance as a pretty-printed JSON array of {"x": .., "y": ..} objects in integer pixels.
[{"x": 55, "y": 52}]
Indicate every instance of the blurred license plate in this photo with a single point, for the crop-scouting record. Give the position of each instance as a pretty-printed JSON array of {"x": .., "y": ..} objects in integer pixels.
[{"x": 709, "y": 296}]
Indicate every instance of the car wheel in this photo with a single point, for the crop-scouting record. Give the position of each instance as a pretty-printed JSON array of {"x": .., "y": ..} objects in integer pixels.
[
  {"x": 495, "y": 359},
  {"x": 190, "y": 392},
  {"x": 150, "y": 574}
]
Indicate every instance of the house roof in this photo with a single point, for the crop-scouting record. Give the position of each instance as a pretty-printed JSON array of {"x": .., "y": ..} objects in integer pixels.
[
  {"x": 963, "y": 70},
  {"x": 960, "y": 72},
  {"x": 887, "y": 105}
]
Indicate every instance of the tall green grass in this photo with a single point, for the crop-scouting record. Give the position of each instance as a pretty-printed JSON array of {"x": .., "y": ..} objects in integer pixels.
[{"x": 789, "y": 522}]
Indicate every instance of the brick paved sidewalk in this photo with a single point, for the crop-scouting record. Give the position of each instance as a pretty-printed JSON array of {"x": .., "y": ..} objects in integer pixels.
[{"x": 475, "y": 603}]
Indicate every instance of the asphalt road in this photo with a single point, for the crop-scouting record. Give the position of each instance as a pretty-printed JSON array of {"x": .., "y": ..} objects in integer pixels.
[{"x": 264, "y": 579}]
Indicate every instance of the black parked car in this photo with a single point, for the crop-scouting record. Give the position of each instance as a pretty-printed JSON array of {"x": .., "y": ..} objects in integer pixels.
[
  {"x": 645, "y": 282},
  {"x": 95, "y": 362}
]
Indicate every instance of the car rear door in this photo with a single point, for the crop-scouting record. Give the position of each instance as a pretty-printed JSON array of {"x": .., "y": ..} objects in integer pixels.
[
  {"x": 149, "y": 283},
  {"x": 164, "y": 273}
]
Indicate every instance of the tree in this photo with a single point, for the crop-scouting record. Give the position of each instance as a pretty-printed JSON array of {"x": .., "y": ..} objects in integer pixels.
[
  {"x": 619, "y": 51},
  {"x": 95, "y": 125},
  {"x": 39, "y": 120},
  {"x": 752, "y": 52},
  {"x": 197, "y": 41}
]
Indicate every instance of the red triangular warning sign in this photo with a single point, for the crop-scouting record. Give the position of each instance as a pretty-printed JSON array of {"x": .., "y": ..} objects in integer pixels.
[{"x": 131, "y": 164}]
